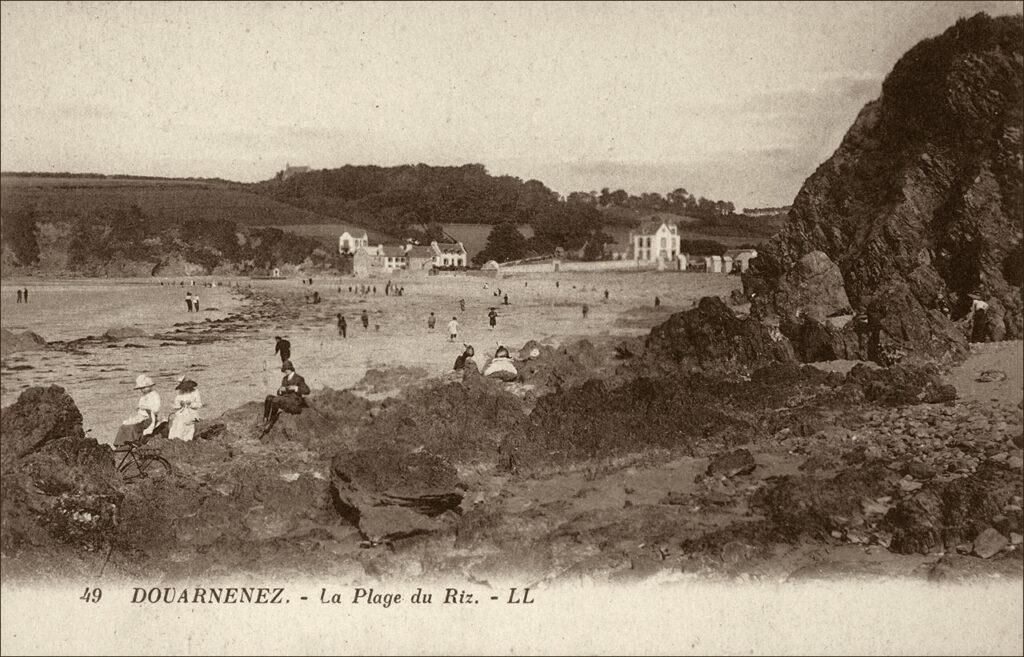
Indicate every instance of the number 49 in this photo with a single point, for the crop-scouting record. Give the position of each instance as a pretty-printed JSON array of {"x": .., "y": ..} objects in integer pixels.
[{"x": 92, "y": 595}]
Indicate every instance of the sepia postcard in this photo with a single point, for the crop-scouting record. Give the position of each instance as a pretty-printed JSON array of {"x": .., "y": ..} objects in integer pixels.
[{"x": 511, "y": 328}]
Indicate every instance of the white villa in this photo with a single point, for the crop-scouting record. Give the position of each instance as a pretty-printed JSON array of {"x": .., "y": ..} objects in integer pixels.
[
  {"x": 449, "y": 254},
  {"x": 349, "y": 242},
  {"x": 653, "y": 242}
]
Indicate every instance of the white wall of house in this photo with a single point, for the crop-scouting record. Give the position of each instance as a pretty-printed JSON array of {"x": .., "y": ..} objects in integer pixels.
[
  {"x": 662, "y": 244},
  {"x": 348, "y": 243}
]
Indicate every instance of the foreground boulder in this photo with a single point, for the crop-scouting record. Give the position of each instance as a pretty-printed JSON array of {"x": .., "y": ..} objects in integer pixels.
[
  {"x": 390, "y": 494},
  {"x": 920, "y": 206},
  {"x": 56, "y": 485}
]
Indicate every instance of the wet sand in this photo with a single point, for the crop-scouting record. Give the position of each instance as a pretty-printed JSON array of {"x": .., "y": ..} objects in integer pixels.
[{"x": 240, "y": 365}]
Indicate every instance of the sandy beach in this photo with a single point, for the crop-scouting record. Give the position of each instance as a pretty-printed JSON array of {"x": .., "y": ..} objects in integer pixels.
[{"x": 238, "y": 366}]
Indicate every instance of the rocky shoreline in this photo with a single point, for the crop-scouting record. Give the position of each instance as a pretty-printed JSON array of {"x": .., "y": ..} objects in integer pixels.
[{"x": 595, "y": 464}]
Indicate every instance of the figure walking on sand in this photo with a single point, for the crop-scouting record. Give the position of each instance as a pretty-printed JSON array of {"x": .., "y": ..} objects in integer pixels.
[
  {"x": 283, "y": 347},
  {"x": 431, "y": 322},
  {"x": 657, "y": 302},
  {"x": 462, "y": 305},
  {"x": 492, "y": 318},
  {"x": 606, "y": 296},
  {"x": 365, "y": 317},
  {"x": 453, "y": 330},
  {"x": 195, "y": 303},
  {"x": 24, "y": 293},
  {"x": 19, "y": 295},
  {"x": 586, "y": 309},
  {"x": 188, "y": 301},
  {"x": 342, "y": 326}
]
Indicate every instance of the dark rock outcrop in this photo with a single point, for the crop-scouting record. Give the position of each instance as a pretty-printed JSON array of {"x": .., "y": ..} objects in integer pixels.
[
  {"x": 712, "y": 332},
  {"x": 731, "y": 464},
  {"x": 56, "y": 485},
  {"x": 390, "y": 494},
  {"x": 921, "y": 205}
]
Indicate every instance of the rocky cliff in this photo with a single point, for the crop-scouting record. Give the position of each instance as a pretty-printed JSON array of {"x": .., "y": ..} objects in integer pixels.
[{"x": 920, "y": 207}]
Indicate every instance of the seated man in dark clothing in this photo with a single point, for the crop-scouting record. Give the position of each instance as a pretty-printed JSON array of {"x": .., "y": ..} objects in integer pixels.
[
  {"x": 289, "y": 397},
  {"x": 460, "y": 362}
]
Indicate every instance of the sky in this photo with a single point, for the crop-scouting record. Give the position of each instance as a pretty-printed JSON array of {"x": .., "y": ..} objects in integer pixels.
[{"x": 733, "y": 101}]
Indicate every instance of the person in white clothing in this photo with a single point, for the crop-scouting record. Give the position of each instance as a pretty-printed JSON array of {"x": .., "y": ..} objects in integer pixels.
[
  {"x": 144, "y": 419},
  {"x": 453, "y": 330},
  {"x": 187, "y": 403}
]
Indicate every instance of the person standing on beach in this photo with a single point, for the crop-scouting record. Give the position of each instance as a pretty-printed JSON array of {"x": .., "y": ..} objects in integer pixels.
[
  {"x": 586, "y": 309},
  {"x": 506, "y": 299},
  {"x": 188, "y": 301},
  {"x": 24, "y": 293},
  {"x": 342, "y": 326},
  {"x": 283, "y": 347},
  {"x": 657, "y": 302},
  {"x": 195, "y": 303},
  {"x": 606, "y": 296},
  {"x": 492, "y": 318},
  {"x": 19, "y": 295},
  {"x": 365, "y": 317},
  {"x": 462, "y": 305},
  {"x": 431, "y": 322},
  {"x": 453, "y": 330}
]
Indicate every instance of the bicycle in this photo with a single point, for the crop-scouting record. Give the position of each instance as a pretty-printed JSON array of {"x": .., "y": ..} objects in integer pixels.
[{"x": 140, "y": 462}]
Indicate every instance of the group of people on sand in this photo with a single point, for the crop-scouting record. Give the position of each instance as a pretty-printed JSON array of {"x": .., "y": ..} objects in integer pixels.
[
  {"x": 23, "y": 295},
  {"x": 145, "y": 421},
  {"x": 192, "y": 302}
]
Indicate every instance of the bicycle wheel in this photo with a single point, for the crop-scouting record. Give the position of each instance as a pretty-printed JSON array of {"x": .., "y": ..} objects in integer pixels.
[{"x": 154, "y": 467}]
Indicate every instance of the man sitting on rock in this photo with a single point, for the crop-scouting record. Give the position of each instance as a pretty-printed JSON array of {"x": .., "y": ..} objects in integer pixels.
[{"x": 289, "y": 397}]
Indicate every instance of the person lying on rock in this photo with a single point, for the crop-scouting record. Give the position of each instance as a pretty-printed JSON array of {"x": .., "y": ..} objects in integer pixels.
[
  {"x": 143, "y": 421},
  {"x": 501, "y": 366},
  {"x": 289, "y": 397}
]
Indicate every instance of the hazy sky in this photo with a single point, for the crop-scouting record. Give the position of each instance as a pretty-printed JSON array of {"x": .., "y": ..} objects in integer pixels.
[{"x": 739, "y": 101}]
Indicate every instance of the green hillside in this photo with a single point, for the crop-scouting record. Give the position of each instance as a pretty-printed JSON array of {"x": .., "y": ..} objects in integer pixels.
[{"x": 66, "y": 198}]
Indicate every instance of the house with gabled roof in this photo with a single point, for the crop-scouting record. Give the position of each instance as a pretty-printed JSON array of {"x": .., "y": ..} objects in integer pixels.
[
  {"x": 349, "y": 242},
  {"x": 654, "y": 241},
  {"x": 419, "y": 258},
  {"x": 449, "y": 254}
]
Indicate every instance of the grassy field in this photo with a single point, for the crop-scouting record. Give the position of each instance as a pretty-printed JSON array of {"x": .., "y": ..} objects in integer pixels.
[{"x": 171, "y": 200}]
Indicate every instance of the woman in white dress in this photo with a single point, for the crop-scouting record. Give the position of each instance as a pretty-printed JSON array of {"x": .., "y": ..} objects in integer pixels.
[
  {"x": 143, "y": 420},
  {"x": 187, "y": 403}
]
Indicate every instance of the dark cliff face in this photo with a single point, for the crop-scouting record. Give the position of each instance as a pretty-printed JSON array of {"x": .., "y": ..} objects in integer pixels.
[{"x": 922, "y": 201}]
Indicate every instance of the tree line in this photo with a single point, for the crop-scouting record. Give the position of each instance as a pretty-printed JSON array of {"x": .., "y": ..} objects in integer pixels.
[{"x": 128, "y": 234}]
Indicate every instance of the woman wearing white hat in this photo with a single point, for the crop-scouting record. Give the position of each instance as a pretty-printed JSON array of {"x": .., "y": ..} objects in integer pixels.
[{"x": 143, "y": 420}]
